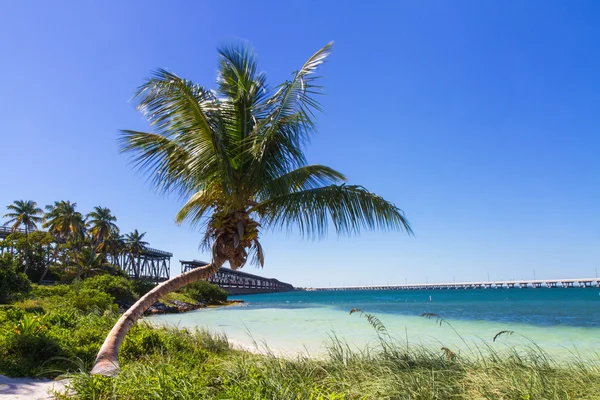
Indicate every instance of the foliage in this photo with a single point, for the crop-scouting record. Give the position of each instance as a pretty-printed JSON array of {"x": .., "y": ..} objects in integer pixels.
[
  {"x": 101, "y": 223},
  {"x": 90, "y": 300},
  {"x": 13, "y": 284},
  {"x": 120, "y": 288},
  {"x": 73, "y": 247},
  {"x": 134, "y": 242},
  {"x": 205, "y": 292},
  {"x": 237, "y": 155},
  {"x": 141, "y": 287},
  {"x": 186, "y": 368},
  {"x": 23, "y": 213},
  {"x": 175, "y": 363}
]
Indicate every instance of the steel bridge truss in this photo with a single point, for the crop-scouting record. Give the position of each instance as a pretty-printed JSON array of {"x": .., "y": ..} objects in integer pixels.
[
  {"x": 152, "y": 264},
  {"x": 231, "y": 280}
]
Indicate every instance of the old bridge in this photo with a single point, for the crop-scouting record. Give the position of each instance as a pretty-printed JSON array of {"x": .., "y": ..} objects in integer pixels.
[{"x": 237, "y": 282}]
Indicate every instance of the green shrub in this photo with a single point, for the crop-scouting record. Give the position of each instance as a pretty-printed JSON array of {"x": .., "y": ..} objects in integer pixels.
[
  {"x": 141, "y": 287},
  {"x": 205, "y": 292},
  {"x": 39, "y": 291},
  {"x": 117, "y": 286},
  {"x": 13, "y": 284},
  {"x": 87, "y": 300},
  {"x": 25, "y": 348}
]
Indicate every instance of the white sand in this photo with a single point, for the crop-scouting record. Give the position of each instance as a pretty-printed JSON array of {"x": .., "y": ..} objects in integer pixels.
[{"x": 29, "y": 388}]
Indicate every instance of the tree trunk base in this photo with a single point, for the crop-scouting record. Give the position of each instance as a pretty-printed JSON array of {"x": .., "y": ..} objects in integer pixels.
[{"x": 107, "y": 361}]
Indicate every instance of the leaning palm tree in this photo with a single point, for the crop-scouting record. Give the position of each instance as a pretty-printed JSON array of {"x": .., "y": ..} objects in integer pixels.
[
  {"x": 236, "y": 154},
  {"x": 135, "y": 245},
  {"x": 100, "y": 223},
  {"x": 24, "y": 213}
]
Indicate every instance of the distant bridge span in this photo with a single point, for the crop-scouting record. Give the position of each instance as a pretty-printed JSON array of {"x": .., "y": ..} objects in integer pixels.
[
  {"x": 238, "y": 282},
  {"x": 521, "y": 284}
]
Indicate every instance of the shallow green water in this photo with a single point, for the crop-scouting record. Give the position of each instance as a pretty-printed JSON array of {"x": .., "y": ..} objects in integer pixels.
[{"x": 561, "y": 321}]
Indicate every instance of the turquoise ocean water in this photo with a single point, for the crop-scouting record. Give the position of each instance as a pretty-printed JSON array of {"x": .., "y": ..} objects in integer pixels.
[{"x": 564, "y": 322}]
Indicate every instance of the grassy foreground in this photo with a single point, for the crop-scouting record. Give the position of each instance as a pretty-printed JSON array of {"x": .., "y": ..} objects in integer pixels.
[
  {"x": 57, "y": 333},
  {"x": 175, "y": 364}
]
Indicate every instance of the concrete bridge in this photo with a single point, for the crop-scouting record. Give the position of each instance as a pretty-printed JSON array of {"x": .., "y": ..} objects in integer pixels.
[
  {"x": 520, "y": 284},
  {"x": 238, "y": 282}
]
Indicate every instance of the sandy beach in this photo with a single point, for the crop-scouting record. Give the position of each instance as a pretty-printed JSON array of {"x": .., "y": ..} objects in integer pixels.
[{"x": 29, "y": 388}]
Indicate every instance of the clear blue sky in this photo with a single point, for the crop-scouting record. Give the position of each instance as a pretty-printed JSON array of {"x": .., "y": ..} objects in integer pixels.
[{"x": 480, "y": 119}]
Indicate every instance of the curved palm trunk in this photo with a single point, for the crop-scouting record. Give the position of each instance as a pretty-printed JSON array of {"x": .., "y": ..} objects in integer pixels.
[{"x": 107, "y": 362}]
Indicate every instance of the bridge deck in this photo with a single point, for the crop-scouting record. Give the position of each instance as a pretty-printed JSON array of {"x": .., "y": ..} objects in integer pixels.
[
  {"x": 238, "y": 282},
  {"x": 537, "y": 283}
]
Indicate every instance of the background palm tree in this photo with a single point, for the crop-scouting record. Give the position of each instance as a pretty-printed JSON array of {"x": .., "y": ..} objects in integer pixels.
[
  {"x": 135, "y": 246},
  {"x": 113, "y": 246},
  {"x": 100, "y": 224},
  {"x": 66, "y": 225},
  {"x": 88, "y": 261},
  {"x": 27, "y": 214},
  {"x": 236, "y": 154},
  {"x": 23, "y": 213},
  {"x": 63, "y": 221}
]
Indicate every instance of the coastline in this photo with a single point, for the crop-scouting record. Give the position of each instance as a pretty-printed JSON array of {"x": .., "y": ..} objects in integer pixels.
[
  {"x": 178, "y": 307},
  {"x": 291, "y": 327}
]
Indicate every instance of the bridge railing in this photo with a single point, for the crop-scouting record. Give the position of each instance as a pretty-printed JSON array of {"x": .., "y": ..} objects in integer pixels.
[
  {"x": 151, "y": 251},
  {"x": 6, "y": 230}
]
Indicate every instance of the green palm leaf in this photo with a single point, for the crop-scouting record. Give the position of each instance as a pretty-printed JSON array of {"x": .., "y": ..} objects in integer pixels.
[{"x": 349, "y": 208}]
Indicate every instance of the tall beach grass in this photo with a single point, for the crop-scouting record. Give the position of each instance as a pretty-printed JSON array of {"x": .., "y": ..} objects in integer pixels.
[{"x": 183, "y": 364}]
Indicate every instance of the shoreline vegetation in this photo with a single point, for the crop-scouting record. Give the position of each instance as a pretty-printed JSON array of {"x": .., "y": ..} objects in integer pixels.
[
  {"x": 44, "y": 337},
  {"x": 55, "y": 332}
]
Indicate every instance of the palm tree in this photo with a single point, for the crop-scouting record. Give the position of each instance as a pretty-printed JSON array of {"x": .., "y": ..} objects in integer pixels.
[
  {"x": 65, "y": 224},
  {"x": 27, "y": 214},
  {"x": 63, "y": 221},
  {"x": 88, "y": 260},
  {"x": 113, "y": 245},
  {"x": 236, "y": 154},
  {"x": 100, "y": 223},
  {"x": 23, "y": 213},
  {"x": 135, "y": 246}
]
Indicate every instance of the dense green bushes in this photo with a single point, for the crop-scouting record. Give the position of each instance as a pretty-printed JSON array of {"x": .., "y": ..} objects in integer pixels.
[
  {"x": 205, "y": 292},
  {"x": 13, "y": 284},
  {"x": 61, "y": 337},
  {"x": 117, "y": 286}
]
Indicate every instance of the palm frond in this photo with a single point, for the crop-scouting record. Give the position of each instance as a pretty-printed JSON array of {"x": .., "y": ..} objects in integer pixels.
[
  {"x": 350, "y": 209},
  {"x": 243, "y": 87},
  {"x": 189, "y": 115},
  {"x": 196, "y": 207},
  {"x": 166, "y": 163},
  {"x": 302, "y": 178},
  {"x": 279, "y": 136}
]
